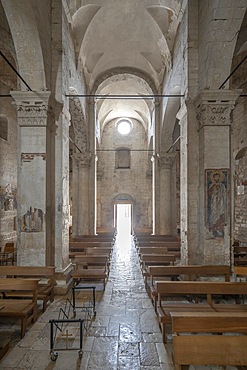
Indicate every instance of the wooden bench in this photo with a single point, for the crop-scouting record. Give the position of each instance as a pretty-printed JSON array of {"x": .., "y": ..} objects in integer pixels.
[
  {"x": 46, "y": 276},
  {"x": 92, "y": 251},
  {"x": 188, "y": 273},
  {"x": 182, "y": 289},
  {"x": 147, "y": 260},
  {"x": 25, "y": 309},
  {"x": 90, "y": 274},
  {"x": 198, "y": 339},
  {"x": 91, "y": 268},
  {"x": 82, "y": 246}
]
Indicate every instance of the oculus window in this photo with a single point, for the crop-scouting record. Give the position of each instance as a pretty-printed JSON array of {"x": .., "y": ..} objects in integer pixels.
[{"x": 124, "y": 126}]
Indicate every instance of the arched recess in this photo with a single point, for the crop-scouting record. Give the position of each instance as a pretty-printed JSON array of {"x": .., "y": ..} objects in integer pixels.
[
  {"x": 123, "y": 199},
  {"x": 27, "y": 43}
]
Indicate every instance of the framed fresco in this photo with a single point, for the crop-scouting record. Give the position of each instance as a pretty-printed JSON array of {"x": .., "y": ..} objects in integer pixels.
[{"x": 216, "y": 200}]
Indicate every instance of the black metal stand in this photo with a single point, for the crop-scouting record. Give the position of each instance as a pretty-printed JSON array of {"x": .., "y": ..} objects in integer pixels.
[
  {"x": 64, "y": 318},
  {"x": 88, "y": 305},
  {"x": 53, "y": 335}
]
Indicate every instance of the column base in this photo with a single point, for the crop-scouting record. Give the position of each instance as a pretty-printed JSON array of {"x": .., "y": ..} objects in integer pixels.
[{"x": 64, "y": 280}]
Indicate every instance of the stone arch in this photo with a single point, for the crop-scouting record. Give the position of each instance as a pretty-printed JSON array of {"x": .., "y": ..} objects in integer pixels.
[
  {"x": 27, "y": 43},
  {"x": 102, "y": 79},
  {"x": 123, "y": 198}
]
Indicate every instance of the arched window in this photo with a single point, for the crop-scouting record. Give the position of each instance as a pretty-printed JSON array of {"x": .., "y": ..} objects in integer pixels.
[{"x": 123, "y": 158}]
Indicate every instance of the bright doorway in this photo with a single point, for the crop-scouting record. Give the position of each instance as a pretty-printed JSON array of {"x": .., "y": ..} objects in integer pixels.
[
  {"x": 123, "y": 224},
  {"x": 123, "y": 213}
]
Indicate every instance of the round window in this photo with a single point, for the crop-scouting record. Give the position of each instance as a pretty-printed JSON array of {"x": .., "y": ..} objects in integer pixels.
[{"x": 124, "y": 127}]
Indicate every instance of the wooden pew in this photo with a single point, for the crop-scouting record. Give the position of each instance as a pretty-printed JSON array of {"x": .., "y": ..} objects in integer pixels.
[
  {"x": 188, "y": 273},
  {"x": 46, "y": 276},
  {"x": 82, "y": 246},
  {"x": 181, "y": 289},
  {"x": 156, "y": 250},
  {"x": 91, "y": 268},
  {"x": 25, "y": 309},
  {"x": 91, "y": 261},
  {"x": 198, "y": 339},
  {"x": 240, "y": 272},
  {"x": 147, "y": 260},
  {"x": 156, "y": 238}
]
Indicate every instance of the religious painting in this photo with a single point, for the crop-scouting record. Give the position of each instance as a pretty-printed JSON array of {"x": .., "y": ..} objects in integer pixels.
[
  {"x": 216, "y": 201},
  {"x": 33, "y": 220},
  {"x": 8, "y": 198}
]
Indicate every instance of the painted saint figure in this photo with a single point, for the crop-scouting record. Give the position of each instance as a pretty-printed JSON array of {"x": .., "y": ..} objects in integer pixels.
[{"x": 217, "y": 203}]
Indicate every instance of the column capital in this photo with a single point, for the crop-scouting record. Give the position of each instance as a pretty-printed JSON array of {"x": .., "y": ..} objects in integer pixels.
[
  {"x": 32, "y": 107},
  {"x": 214, "y": 107},
  {"x": 83, "y": 159},
  {"x": 166, "y": 160}
]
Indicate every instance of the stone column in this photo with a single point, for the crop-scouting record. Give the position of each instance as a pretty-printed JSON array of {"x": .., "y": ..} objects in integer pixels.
[
  {"x": 92, "y": 206},
  {"x": 155, "y": 170},
  {"x": 32, "y": 114},
  {"x": 189, "y": 183},
  {"x": 167, "y": 194},
  {"x": 60, "y": 190},
  {"x": 214, "y": 111},
  {"x": 81, "y": 193}
]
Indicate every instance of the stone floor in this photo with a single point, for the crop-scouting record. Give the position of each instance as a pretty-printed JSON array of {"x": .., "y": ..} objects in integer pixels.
[{"x": 123, "y": 335}]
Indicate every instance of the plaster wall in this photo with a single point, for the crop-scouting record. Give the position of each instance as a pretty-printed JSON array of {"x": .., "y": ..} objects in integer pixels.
[{"x": 134, "y": 181}]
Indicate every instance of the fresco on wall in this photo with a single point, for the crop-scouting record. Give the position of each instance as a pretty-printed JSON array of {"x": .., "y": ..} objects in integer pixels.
[
  {"x": 216, "y": 201},
  {"x": 33, "y": 220},
  {"x": 8, "y": 198}
]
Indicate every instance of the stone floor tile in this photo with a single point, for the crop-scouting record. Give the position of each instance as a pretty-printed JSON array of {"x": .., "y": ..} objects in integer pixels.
[
  {"x": 128, "y": 349},
  {"x": 12, "y": 359},
  {"x": 129, "y": 333},
  {"x": 128, "y": 363},
  {"x": 113, "y": 329},
  {"x": 148, "y": 354},
  {"x": 99, "y": 361},
  {"x": 105, "y": 344},
  {"x": 152, "y": 337},
  {"x": 34, "y": 359}
]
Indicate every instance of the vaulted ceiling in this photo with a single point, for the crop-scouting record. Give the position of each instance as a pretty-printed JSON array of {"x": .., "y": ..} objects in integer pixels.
[{"x": 131, "y": 39}]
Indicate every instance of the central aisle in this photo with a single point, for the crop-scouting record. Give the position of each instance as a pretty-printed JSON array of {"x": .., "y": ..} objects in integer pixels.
[
  {"x": 124, "y": 335},
  {"x": 128, "y": 333}
]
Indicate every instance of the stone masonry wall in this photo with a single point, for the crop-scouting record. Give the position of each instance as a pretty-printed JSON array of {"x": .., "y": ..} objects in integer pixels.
[
  {"x": 134, "y": 181},
  {"x": 239, "y": 143}
]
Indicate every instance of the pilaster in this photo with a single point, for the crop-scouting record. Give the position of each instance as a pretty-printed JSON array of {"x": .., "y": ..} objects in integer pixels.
[
  {"x": 189, "y": 183},
  {"x": 32, "y": 115},
  {"x": 214, "y": 125},
  {"x": 167, "y": 194},
  {"x": 81, "y": 193}
]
